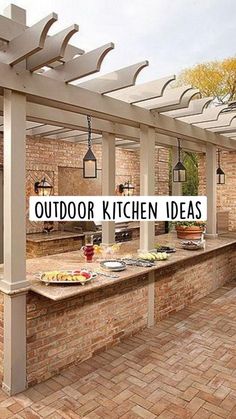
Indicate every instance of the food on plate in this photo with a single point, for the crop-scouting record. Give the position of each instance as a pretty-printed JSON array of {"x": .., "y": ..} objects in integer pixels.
[
  {"x": 152, "y": 256},
  {"x": 66, "y": 276}
]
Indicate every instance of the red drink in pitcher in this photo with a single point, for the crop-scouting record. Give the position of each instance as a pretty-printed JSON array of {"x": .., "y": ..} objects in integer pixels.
[{"x": 88, "y": 249}]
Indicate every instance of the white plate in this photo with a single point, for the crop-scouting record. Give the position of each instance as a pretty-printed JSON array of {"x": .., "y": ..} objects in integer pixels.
[{"x": 113, "y": 265}]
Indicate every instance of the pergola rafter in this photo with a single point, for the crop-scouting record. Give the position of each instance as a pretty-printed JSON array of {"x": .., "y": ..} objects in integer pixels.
[
  {"x": 81, "y": 66},
  {"x": 111, "y": 82}
]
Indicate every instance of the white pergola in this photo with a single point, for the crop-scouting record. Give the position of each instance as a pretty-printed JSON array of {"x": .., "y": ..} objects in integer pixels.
[{"x": 38, "y": 99}]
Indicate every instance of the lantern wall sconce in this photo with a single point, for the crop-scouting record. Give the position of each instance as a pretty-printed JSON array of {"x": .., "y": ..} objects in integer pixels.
[
  {"x": 179, "y": 171},
  {"x": 89, "y": 160},
  {"x": 220, "y": 175},
  {"x": 127, "y": 189},
  {"x": 43, "y": 188}
]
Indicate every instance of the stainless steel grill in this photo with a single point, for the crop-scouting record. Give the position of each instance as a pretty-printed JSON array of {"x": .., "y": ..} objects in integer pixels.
[{"x": 122, "y": 231}]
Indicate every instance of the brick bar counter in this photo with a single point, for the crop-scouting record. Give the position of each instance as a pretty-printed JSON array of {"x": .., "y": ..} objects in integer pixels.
[{"x": 68, "y": 324}]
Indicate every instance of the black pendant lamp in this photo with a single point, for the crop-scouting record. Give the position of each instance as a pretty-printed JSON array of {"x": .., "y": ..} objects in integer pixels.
[
  {"x": 179, "y": 171},
  {"x": 220, "y": 175},
  {"x": 89, "y": 160}
]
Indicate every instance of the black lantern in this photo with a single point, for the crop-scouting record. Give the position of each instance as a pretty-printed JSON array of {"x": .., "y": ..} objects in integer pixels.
[
  {"x": 220, "y": 175},
  {"x": 89, "y": 160},
  {"x": 179, "y": 171},
  {"x": 43, "y": 188},
  {"x": 127, "y": 188}
]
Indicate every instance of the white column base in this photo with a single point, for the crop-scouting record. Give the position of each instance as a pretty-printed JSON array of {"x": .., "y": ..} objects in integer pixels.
[
  {"x": 14, "y": 364},
  {"x": 211, "y": 236}
]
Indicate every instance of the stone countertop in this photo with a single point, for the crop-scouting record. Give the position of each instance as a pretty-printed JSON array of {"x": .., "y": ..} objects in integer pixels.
[
  {"x": 74, "y": 260},
  {"x": 54, "y": 235}
]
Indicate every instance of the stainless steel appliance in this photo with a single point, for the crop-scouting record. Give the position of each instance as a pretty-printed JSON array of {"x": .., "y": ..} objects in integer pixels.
[{"x": 122, "y": 232}]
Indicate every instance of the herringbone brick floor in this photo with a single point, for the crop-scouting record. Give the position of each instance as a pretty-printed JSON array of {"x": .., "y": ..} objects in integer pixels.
[{"x": 184, "y": 367}]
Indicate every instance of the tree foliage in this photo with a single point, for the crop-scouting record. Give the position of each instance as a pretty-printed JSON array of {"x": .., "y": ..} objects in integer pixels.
[{"x": 214, "y": 78}]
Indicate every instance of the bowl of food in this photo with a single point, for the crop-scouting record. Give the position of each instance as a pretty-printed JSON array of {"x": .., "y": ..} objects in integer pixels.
[{"x": 193, "y": 244}]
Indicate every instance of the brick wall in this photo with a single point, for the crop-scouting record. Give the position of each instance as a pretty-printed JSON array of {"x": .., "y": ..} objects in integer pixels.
[
  {"x": 226, "y": 194},
  {"x": 53, "y": 247},
  {"x": 62, "y": 160},
  {"x": 60, "y": 333},
  {"x": 178, "y": 286},
  {"x": 64, "y": 332}
]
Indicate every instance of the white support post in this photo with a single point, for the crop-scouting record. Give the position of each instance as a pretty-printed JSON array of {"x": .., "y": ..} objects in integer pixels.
[
  {"x": 14, "y": 374},
  {"x": 147, "y": 182},
  {"x": 176, "y": 186},
  {"x": 108, "y": 182},
  {"x": 211, "y": 190},
  {"x": 15, "y": 13},
  {"x": 147, "y": 187},
  {"x": 14, "y": 284}
]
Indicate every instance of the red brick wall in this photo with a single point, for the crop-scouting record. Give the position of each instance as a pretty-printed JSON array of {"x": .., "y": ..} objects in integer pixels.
[
  {"x": 51, "y": 157},
  {"x": 226, "y": 194},
  {"x": 178, "y": 286},
  {"x": 60, "y": 333}
]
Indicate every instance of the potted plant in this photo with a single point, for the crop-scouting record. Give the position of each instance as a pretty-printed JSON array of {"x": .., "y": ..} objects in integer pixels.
[{"x": 190, "y": 230}]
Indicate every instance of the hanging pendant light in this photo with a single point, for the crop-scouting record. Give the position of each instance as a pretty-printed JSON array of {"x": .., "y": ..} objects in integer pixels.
[
  {"x": 220, "y": 175},
  {"x": 89, "y": 160},
  {"x": 179, "y": 171}
]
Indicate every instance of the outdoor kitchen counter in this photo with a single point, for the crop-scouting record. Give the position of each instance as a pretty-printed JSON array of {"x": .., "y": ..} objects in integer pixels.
[
  {"x": 74, "y": 260},
  {"x": 71, "y": 323}
]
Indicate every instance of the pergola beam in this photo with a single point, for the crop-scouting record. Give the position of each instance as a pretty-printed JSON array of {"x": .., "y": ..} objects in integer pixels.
[
  {"x": 225, "y": 119},
  {"x": 82, "y": 66},
  {"x": 195, "y": 107},
  {"x": 173, "y": 99},
  {"x": 210, "y": 114},
  {"x": 144, "y": 91},
  {"x": 54, "y": 50},
  {"x": 28, "y": 42},
  {"x": 116, "y": 80},
  {"x": 45, "y": 91}
]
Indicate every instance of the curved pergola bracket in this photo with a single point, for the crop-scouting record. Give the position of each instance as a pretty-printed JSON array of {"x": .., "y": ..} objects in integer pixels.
[
  {"x": 195, "y": 107},
  {"x": 54, "y": 49},
  {"x": 144, "y": 91},
  {"x": 169, "y": 101},
  {"x": 224, "y": 120},
  {"x": 210, "y": 114},
  {"x": 116, "y": 80},
  {"x": 81, "y": 66},
  {"x": 185, "y": 100},
  {"x": 29, "y": 42},
  {"x": 226, "y": 128}
]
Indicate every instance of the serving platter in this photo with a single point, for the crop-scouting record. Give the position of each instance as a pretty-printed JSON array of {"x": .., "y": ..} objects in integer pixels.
[
  {"x": 138, "y": 262},
  {"x": 192, "y": 245},
  {"x": 66, "y": 277}
]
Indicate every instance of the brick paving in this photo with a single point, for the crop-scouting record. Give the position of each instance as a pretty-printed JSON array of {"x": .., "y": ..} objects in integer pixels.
[{"x": 184, "y": 367}]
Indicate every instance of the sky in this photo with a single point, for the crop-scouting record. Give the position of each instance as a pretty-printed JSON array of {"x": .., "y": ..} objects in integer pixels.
[{"x": 170, "y": 34}]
